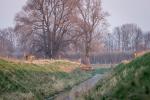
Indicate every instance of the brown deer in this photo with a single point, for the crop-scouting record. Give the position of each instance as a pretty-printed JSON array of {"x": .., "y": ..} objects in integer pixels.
[
  {"x": 29, "y": 57},
  {"x": 140, "y": 53}
]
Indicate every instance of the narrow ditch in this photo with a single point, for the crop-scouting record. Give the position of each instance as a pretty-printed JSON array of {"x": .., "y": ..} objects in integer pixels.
[{"x": 79, "y": 89}]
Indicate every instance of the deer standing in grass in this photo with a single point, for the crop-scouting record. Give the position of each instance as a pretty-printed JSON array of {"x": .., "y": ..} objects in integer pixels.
[
  {"x": 140, "y": 53},
  {"x": 29, "y": 57}
]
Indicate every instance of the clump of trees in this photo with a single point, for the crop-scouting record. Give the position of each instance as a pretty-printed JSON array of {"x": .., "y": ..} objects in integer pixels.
[
  {"x": 122, "y": 43},
  {"x": 48, "y": 27},
  {"x": 127, "y": 38}
]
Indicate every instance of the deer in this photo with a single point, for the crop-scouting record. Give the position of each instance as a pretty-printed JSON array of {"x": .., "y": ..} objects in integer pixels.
[
  {"x": 29, "y": 57},
  {"x": 140, "y": 53}
]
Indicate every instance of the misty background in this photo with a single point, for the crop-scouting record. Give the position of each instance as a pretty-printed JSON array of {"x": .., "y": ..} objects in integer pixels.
[
  {"x": 128, "y": 32},
  {"x": 121, "y": 12}
]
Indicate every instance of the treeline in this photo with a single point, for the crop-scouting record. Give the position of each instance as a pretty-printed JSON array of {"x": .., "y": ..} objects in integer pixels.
[
  {"x": 128, "y": 38},
  {"x": 73, "y": 29},
  {"x": 111, "y": 58},
  {"x": 120, "y": 45},
  {"x": 105, "y": 57},
  {"x": 7, "y": 42}
]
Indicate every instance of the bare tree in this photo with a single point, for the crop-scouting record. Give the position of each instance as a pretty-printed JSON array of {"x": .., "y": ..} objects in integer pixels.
[
  {"x": 118, "y": 36},
  {"x": 48, "y": 25},
  {"x": 6, "y": 43},
  {"x": 147, "y": 40},
  {"x": 128, "y": 37},
  {"x": 90, "y": 16}
]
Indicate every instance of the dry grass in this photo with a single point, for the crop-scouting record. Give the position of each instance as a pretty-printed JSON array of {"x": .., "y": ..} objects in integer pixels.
[{"x": 19, "y": 80}]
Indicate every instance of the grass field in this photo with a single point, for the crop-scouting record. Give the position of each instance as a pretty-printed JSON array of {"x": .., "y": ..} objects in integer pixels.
[
  {"x": 126, "y": 82},
  {"x": 21, "y": 81}
]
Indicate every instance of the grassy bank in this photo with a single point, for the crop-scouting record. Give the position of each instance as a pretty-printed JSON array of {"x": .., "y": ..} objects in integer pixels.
[
  {"x": 127, "y": 82},
  {"x": 21, "y": 81}
]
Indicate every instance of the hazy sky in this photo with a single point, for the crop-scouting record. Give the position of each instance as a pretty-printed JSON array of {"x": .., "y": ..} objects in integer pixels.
[
  {"x": 128, "y": 11},
  {"x": 8, "y": 9},
  {"x": 121, "y": 12}
]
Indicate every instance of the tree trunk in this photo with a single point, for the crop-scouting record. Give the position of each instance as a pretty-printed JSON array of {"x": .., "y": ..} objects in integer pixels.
[{"x": 86, "y": 58}]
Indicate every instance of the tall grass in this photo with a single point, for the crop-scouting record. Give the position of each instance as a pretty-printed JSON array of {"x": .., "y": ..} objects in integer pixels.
[
  {"x": 19, "y": 81},
  {"x": 126, "y": 82}
]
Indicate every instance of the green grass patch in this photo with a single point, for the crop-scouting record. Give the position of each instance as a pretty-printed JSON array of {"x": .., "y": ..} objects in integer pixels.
[
  {"x": 126, "y": 82},
  {"x": 30, "y": 81}
]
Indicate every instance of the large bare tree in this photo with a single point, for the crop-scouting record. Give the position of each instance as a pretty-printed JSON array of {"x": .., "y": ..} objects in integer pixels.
[
  {"x": 47, "y": 25},
  {"x": 90, "y": 17}
]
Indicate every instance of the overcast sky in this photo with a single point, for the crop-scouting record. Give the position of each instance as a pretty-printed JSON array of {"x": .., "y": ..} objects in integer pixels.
[
  {"x": 8, "y": 9},
  {"x": 121, "y": 12}
]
